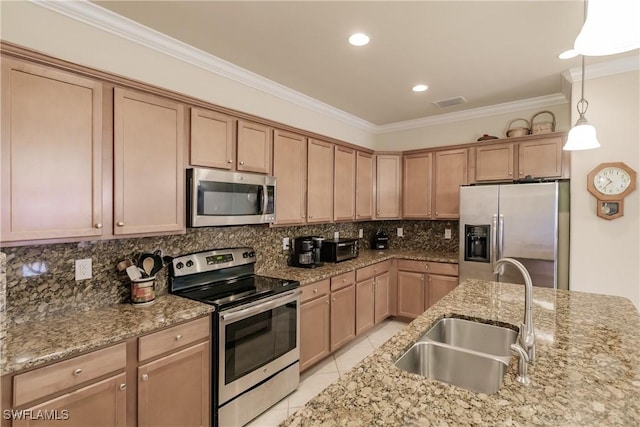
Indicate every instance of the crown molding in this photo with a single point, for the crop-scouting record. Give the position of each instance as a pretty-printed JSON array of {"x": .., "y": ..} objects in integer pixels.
[
  {"x": 603, "y": 69},
  {"x": 476, "y": 113},
  {"x": 105, "y": 20}
]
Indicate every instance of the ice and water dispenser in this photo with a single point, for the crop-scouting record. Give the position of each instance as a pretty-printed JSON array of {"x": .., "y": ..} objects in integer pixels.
[{"x": 477, "y": 243}]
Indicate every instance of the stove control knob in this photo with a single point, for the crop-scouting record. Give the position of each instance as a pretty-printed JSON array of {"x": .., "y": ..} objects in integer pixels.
[
  {"x": 252, "y": 254},
  {"x": 179, "y": 265},
  {"x": 245, "y": 254},
  {"x": 189, "y": 263}
]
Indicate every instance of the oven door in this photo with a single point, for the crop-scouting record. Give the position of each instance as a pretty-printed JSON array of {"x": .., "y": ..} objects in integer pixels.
[{"x": 257, "y": 341}]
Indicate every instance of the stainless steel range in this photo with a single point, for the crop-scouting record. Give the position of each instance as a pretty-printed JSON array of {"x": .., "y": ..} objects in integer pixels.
[{"x": 255, "y": 330}]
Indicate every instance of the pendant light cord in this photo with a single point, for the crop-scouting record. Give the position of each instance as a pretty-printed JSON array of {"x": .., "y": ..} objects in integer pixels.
[{"x": 583, "y": 104}]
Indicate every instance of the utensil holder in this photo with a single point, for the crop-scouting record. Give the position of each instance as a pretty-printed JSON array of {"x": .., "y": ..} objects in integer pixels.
[{"x": 143, "y": 292}]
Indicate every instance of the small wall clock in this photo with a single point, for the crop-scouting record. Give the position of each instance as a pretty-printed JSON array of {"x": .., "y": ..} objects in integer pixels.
[{"x": 610, "y": 183}]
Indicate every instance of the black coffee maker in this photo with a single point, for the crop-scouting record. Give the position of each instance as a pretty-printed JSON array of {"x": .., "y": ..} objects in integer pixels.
[
  {"x": 306, "y": 251},
  {"x": 380, "y": 240}
]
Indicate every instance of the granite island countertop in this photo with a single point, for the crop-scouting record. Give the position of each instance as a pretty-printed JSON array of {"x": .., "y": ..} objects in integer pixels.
[
  {"x": 43, "y": 341},
  {"x": 587, "y": 370},
  {"x": 365, "y": 258}
]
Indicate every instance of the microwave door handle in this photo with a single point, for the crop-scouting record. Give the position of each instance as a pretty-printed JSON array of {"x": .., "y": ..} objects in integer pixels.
[{"x": 261, "y": 200}]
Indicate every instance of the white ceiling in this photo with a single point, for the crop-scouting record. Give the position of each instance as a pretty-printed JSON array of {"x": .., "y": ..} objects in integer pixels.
[{"x": 490, "y": 52}]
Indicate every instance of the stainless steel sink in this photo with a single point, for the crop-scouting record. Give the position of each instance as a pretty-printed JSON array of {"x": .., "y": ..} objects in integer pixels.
[
  {"x": 455, "y": 366},
  {"x": 464, "y": 353},
  {"x": 476, "y": 336}
]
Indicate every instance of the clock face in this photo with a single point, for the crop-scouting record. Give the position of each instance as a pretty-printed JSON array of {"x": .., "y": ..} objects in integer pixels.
[{"x": 611, "y": 181}]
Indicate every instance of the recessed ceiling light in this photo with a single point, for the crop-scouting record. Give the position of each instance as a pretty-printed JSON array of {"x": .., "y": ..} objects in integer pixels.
[
  {"x": 358, "y": 39},
  {"x": 571, "y": 53},
  {"x": 420, "y": 88}
]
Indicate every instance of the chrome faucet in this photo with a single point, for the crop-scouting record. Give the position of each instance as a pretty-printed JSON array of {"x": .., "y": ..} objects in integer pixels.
[{"x": 527, "y": 339}]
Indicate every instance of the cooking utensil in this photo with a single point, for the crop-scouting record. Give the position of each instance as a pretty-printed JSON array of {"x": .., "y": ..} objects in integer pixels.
[
  {"x": 133, "y": 272},
  {"x": 148, "y": 265},
  {"x": 157, "y": 264}
]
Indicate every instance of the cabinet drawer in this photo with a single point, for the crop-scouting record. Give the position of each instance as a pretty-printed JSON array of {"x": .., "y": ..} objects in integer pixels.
[
  {"x": 343, "y": 280},
  {"x": 172, "y": 338},
  {"x": 68, "y": 373},
  {"x": 368, "y": 272},
  {"x": 315, "y": 290},
  {"x": 428, "y": 267}
]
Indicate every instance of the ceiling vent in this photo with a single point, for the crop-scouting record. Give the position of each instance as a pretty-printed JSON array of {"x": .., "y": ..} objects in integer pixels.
[{"x": 450, "y": 101}]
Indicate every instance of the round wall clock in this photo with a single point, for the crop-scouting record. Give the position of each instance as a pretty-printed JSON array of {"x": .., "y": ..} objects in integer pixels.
[{"x": 610, "y": 183}]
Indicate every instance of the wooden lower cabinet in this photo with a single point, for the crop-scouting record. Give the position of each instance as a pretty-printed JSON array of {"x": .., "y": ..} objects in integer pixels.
[
  {"x": 439, "y": 286},
  {"x": 382, "y": 306},
  {"x": 315, "y": 320},
  {"x": 421, "y": 284},
  {"x": 410, "y": 293},
  {"x": 365, "y": 305},
  {"x": 343, "y": 327},
  {"x": 174, "y": 390}
]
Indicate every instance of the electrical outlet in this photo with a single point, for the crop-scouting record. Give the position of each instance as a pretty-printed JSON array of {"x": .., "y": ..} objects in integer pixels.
[
  {"x": 400, "y": 232},
  {"x": 360, "y": 234},
  {"x": 83, "y": 269},
  {"x": 285, "y": 243},
  {"x": 447, "y": 233},
  {"x": 336, "y": 235}
]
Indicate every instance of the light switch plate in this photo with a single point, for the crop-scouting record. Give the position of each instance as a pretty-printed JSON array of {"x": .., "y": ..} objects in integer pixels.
[
  {"x": 447, "y": 233},
  {"x": 285, "y": 243},
  {"x": 360, "y": 235},
  {"x": 336, "y": 235},
  {"x": 400, "y": 232},
  {"x": 83, "y": 269}
]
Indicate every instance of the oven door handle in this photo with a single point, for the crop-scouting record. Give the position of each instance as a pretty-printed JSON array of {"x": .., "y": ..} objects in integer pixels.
[{"x": 260, "y": 307}]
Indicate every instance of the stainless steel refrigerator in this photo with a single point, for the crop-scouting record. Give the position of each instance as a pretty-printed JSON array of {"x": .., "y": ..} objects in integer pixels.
[{"x": 527, "y": 222}]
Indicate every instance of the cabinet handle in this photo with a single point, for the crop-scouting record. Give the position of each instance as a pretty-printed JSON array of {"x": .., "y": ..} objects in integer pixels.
[
  {"x": 510, "y": 173},
  {"x": 229, "y": 161},
  {"x": 327, "y": 302},
  {"x": 520, "y": 172},
  {"x": 120, "y": 224},
  {"x": 241, "y": 163},
  {"x": 310, "y": 216},
  {"x": 77, "y": 372},
  {"x": 344, "y": 280},
  {"x": 123, "y": 386},
  {"x": 145, "y": 377},
  {"x": 429, "y": 213},
  {"x": 302, "y": 216},
  {"x": 99, "y": 225},
  {"x": 422, "y": 278},
  {"x": 178, "y": 337},
  {"x": 333, "y": 299},
  {"x": 315, "y": 291},
  {"x": 429, "y": 279},
  {"x": 377, "y": 212},
  {"x": 426, "y": 267}
]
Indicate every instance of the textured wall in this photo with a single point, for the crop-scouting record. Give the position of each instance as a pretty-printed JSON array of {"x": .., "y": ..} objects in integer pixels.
[{"x": 40, "y": 278}]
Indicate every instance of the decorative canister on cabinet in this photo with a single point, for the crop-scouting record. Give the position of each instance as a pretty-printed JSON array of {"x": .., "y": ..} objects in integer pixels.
[
  {"x": 521, "y": 131},
  {"x": 543, "y": 127}
]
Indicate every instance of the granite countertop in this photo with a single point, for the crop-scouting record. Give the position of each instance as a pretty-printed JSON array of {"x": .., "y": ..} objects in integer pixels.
[
  {"x": 38, "y": 342},
  {"x": 587, "y": 370},
  {"x": 365, "y": 258}
]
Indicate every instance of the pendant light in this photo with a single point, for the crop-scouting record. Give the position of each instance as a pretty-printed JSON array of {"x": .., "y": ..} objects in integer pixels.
[
  {"x": 612, "y": 26},
  {"x": 583, "y": 135}
]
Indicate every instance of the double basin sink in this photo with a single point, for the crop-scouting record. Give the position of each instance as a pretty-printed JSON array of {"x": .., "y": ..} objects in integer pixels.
[{"x": 464, "y": 353}]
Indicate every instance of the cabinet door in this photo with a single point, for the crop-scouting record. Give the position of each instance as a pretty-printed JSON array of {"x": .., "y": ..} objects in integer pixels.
[
  {"x": 450, "y": 174},
  {"x": 212, "y": 139},
  {"x": 382, "y": 286},
  {"x": 438, "y": 287},
  {"x": 254, "y": 147},
  {"x": 290, "y": 170},
  {"x": 540, "y": 158},
  {"x": 417, "y": 184},
  {"x": 148, "y": 164},
  {"x": 174, "y": 390},
  {"x": 344, "y": 190},
  {"x": 388, "y": 186},
  {"x": 365, "y": 305},
  {"x": 364, "y": 185},
  {"x": 51, "y": 154},
  {"x": 343, "y": 319},
  {"x": 314, "y": 331},
  {"x": 494, "y": 162},
  {"x": 411, "y": 294},
  {"x": 320, "y": 182},
  {"x": 101, "y": 404}
]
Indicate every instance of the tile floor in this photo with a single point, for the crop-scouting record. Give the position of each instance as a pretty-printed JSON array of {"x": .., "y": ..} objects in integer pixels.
[{"x": 317, "y": 378}]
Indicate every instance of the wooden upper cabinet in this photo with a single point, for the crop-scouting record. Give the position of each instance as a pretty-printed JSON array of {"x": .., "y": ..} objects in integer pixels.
[
  {"x": 254, "y": 147},
  {"x": 450, "y": 173},
  {"x": 212, "y": 139},
  {"x": 540, "y": 158},
  {"x": 319, "y": 181},
  {"x": 417, "y": 183},
  {"x": 388, "y": 185},
  {"x": 51, "y": 167},
  {"x": 344, "y": 190},
  {"x": 364, "y": 185},
  {"x": 494, "y": 162},
  {"x": 148, "y": 163},
  {"x": 290, "y": 170}
]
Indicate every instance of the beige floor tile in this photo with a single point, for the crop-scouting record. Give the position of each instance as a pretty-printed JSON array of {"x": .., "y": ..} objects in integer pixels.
[
  {"x": 351, "y": 358},
  {"x": 325, "y": 366},
  {"x": 310, "y": 387},
  {"x": 272, "y": 417}
]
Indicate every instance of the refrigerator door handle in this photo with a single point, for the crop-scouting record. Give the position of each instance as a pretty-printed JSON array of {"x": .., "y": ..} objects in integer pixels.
[
  {"x": 501, "y": 236},
  {"x": 494, "y": 237}
]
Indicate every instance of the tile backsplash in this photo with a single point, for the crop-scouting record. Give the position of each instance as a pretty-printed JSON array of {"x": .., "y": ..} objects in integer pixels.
[{"x": 40, "y": 279}]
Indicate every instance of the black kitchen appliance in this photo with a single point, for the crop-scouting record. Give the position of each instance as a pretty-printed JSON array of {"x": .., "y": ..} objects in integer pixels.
[
  {"x": 380, "y": 240},
  {"x": 255, "y": 330},
  {"x": 307, "y": 251},
  {"x": 339, "y": 250}
]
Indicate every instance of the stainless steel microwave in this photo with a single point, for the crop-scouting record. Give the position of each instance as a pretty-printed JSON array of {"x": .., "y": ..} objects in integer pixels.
[{"x": 216, "y": 197}]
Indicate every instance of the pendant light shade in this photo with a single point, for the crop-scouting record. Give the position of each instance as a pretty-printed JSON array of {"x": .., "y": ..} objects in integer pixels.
[
  {"x": 581, "y": 137},
  {"x": 612, "y": 26}
]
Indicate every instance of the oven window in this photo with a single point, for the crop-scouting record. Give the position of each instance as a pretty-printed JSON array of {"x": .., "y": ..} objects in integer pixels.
[
  {"x": 228, "y": 199},
  {"x": 255, "y": 341}
]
